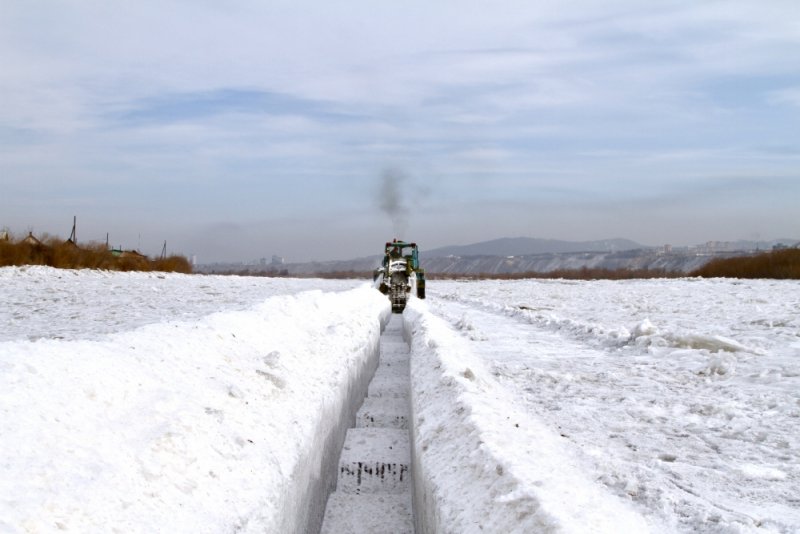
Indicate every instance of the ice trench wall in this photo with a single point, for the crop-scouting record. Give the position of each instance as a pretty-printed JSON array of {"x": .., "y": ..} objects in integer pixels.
[
  {"x": 454, "y": 478},
  {"x": 432, "y": 507},
  {"x": 316, "y": 471},
  {"x": 474, "y": 470},
  {"x": 426, "y": 503},
  {"x": 436, "y": 495}
]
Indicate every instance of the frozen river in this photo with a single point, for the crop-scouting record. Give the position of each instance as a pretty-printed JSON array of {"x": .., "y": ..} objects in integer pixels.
[
  {"x": 682, "y": 396},
  {"x": 676, "y": 399}
]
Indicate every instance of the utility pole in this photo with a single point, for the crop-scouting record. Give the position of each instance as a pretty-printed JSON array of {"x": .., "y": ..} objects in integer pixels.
[{"x": 72, "y": 237}]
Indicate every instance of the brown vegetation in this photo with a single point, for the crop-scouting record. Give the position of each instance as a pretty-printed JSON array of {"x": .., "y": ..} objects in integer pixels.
[
  {"x": 55, "y": 252},
  {"x": 780, "y": 264},
  {"x": 172, "y": 264}
]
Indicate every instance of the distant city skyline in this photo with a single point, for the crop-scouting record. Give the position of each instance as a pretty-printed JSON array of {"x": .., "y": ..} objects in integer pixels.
[{"x": 315, "y": 130}]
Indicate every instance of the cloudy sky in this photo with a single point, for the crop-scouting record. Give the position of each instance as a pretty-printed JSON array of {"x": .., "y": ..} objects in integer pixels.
[{"x": 317, "y": 130}]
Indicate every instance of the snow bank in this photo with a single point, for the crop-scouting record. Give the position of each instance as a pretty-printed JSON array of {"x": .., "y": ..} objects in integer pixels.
[
  {"x": 480, "y": 464},
  {"x": 220, "y": 424},
  {"x": 44, "y": 302}
]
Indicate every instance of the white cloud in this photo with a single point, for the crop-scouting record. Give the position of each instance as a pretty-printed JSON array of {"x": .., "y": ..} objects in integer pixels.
[{"x": 582, "y": 95}]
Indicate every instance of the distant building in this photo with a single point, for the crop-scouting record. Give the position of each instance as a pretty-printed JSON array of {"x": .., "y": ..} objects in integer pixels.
[
  {"x": 712, "y": 247},
  {"x": 31, "y": 240},
  {"x": 277, "y": 260}
]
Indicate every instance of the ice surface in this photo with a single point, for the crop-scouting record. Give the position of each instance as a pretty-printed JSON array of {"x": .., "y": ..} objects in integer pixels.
[
  {"x": 147, "y": 402},
  {"x": 384, "y": 412},
  {"x": 482, "y": 464},
  {"x": 380, "y": 513},
  {"x": 214, "y": 424},
  {"x": 43, "y": 302},
  {"x": 682, "y": 396},
  {"x": 374, "y": 460}
]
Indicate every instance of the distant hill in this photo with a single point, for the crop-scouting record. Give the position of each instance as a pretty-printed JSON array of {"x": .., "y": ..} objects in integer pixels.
[
  {"x": 523, "y": 254},
  {"x": 527, "y": 246}
]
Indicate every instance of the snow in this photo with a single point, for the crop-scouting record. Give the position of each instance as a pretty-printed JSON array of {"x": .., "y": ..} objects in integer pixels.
[
  {"x": 144, "y": 402},
  {"x": 42, "y": 302},
  {"x": 680, "y": 397},
  {"x": 482, "y": 464},
  {"x": 215, "y": 424}
]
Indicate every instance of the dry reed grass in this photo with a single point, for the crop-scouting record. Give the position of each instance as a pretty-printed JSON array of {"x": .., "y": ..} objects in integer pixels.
[
  {"x": 55, "y": 252},
  {"x": 778, "y": 264}
]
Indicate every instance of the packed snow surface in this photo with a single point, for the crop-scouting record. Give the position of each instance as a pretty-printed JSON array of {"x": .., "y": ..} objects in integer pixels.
[
  {"x": 41, "y": 302},
  {"x": 679, "y": 397},
  {"x": 142, "y": 402},
  {"x": 213, "y": 424},
  {"x": 481, "y": 463}
]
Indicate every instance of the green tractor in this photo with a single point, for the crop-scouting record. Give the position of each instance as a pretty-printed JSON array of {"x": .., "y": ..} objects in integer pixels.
[{"x": 400, "y": 274}]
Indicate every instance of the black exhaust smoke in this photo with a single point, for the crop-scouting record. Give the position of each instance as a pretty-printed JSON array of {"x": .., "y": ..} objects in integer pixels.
[{"x": 391, "y": 198}]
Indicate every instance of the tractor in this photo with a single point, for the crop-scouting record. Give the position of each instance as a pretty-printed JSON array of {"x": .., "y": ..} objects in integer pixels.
[{"x": 400, "y": 274}]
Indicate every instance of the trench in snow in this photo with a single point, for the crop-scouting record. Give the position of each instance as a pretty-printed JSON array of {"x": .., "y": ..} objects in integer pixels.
[{"x": 373, "y": 488}]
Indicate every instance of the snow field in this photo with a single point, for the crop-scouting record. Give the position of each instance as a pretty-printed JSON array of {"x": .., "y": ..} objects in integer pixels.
[
  {"x": 43, "y": 302},
  {"x": 231, "y": 422},
  {"x": 682, "y": 395},
  {"x": 127, "y": 404},
  {"x": 479, "y": 463}
]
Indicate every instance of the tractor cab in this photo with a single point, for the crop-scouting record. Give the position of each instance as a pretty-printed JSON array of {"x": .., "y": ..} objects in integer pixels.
[{"x": 400, "y": 250}]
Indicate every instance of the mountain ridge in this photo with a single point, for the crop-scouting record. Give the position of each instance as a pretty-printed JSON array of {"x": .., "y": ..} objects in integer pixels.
[{"x": 527, "y": 246}]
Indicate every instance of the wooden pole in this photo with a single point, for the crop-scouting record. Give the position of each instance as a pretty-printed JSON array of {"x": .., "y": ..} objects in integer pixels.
[{"x": 72, "y": 236}]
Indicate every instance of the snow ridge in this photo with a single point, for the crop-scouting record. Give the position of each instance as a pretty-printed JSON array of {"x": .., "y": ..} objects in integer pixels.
[
  {"x": 45, "y": 302},
  {"x": 227, "y": 423},
  {"x": 643, "y": 333},
  {"x": 482, "y": 465}
]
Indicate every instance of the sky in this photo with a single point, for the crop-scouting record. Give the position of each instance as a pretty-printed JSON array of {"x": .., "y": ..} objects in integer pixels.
[{"x": 318, "y": 130}]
